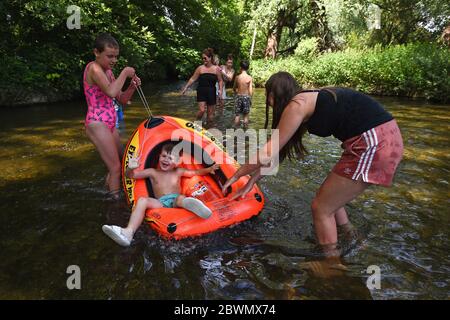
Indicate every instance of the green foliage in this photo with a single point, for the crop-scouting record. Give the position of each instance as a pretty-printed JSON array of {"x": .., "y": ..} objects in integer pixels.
[
  {"x": 404, "y": 21},
  {"x": 290, "y": 18},
  {"x": 47, "y": 59},
  {"x": 41, "y": 56},
  {"x": 414, "y": 70},
  {"x": 186, "y": 61},
  {"x": 307, "y": 49}
]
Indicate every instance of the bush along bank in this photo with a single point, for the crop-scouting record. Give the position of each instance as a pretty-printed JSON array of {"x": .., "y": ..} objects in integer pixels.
[
  {"x": 52, "y": 77},
  {"x": 411, "y": 70}
]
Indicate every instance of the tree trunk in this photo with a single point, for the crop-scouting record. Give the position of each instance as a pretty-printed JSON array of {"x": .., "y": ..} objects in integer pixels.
[
  {"x": 445, "y": 37},
  {"x": 320, "y": 27},
  {"x": 253, "y": 43},
  {"x": 284, "y": 18},
  {"x": 275, "y": 36},
  {"x": 272, "y": 46}
]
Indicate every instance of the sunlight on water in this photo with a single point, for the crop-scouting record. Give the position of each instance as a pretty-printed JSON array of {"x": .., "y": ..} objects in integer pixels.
[{"x": 53, "y": 203}]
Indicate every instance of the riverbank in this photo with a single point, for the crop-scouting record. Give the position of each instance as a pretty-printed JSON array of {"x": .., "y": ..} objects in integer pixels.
[
  {"x": 418, "y": 70},
  {"x": 414, "y": 70}
]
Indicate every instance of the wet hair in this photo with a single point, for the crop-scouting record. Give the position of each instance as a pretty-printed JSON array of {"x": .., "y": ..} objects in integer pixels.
[
  {"x": 105, "y": 40},
  {"x": 244, "y": 65},
  {"x": 209, "y": 52},
  {"x": 283, "y": 87}
]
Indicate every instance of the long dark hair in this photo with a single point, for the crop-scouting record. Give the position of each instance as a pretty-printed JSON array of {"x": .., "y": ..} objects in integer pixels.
[{"x": 283, "y": 87}]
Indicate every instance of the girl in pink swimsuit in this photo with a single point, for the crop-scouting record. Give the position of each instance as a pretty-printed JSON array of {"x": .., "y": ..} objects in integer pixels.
[
  {"x": 100, "y": 87},
  {"x": 100, "y": 106}
]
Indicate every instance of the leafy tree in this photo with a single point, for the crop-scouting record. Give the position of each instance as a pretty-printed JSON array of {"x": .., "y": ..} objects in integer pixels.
[
  {"x": 42, "y": 57},
  {"x": 411, "y": 20},
  {"x": 284, "y": 23}
]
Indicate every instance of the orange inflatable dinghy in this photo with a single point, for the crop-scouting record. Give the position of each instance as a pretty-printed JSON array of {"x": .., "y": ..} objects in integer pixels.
[{"x": 200, "y": 149}]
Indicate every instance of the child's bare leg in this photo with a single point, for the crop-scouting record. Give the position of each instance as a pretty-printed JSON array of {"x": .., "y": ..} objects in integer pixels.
[
  {"x": 119, "y": 144},
  {"x": 194, "y": 205},
  {"x": 237, "y": 121},
  {"x": 246, "y": 121},
  {"x": 179, "y": 201},
  {"x": 105, "y": 142},
  {"x": 123, "y": 236},
  {"x": 107, "y": 180},
  {"x": 138, "y": 214}
]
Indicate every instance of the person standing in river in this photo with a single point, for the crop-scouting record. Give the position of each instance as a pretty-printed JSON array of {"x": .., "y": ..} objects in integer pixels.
[
  {"x": 243, "y": 89},
  {"x": 371, "y": 139},
  {"x": 207, "y": 75},
  {"x": 228, "y": 76},
  {"x": 100, "y": 89}
]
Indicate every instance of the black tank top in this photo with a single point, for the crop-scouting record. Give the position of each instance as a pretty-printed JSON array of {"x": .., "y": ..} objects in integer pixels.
[
  {"x": 350, "y": 115},
  {"x": 207, "y": 80}
]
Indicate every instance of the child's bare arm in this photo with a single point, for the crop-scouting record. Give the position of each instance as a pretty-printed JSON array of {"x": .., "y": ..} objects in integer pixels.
[
  {"x": 139, "y": 174},
  {"x": 132, "y": 171},
  {"x": 199, "y": 172},
  {"x": 250, "y": 87},
  {"x": 125, "y": 96},
  {"x": 113, "y": 88}
]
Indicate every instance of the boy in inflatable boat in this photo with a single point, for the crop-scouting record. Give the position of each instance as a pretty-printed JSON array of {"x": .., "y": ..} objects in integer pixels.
[{"x": 166, "y": 186}]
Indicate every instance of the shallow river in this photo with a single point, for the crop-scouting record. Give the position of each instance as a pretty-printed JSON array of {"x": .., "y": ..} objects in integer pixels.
[{"x": 53, "y": 204}]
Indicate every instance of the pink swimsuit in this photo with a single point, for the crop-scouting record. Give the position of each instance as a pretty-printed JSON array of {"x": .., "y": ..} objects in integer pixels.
[{"x": 100, "y": 106}]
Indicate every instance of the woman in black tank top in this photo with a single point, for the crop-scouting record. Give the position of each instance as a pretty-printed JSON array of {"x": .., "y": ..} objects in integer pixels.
[
  {"x": 207, "y": 76},
  {"x": 370, "y": 137}
]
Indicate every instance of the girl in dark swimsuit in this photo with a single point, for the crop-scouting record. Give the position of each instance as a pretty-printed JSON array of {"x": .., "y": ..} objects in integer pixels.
[{"x": 207, "y": 76}]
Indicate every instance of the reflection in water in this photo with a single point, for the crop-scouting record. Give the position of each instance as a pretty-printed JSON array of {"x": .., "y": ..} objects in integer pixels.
[{"x": 53, "y": 204}]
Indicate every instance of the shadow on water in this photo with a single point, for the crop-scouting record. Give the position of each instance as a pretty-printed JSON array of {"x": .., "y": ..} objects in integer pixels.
[{"x": 53, "y": 204}]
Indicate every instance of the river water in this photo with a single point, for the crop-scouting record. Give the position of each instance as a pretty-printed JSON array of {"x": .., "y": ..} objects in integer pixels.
[{"x": 53, "y": 204}]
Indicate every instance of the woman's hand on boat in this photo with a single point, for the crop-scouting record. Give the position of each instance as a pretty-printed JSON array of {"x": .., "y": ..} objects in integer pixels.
[
  {"x": 242, "y": 192},
  {"x": 228, "y": 183},
  {"x": 133, "y": 163},
  {"x": 244, "y": 170},
  {"x": 214, "y": 167}
]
